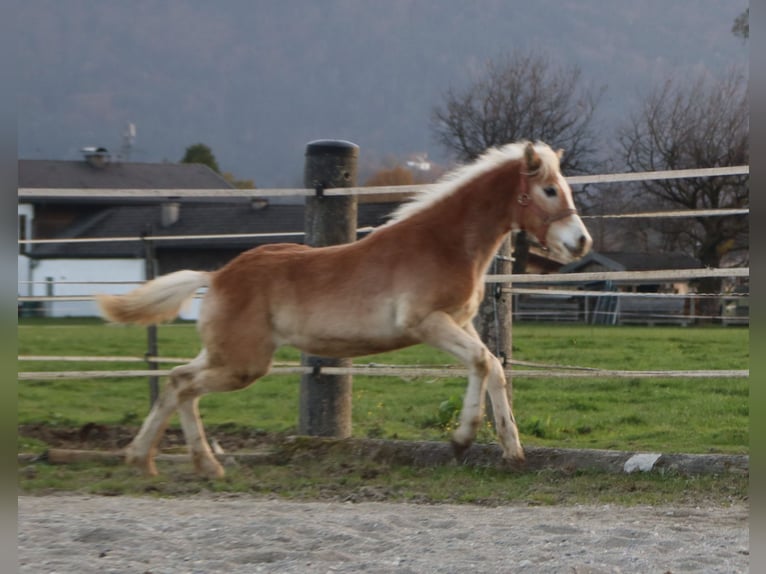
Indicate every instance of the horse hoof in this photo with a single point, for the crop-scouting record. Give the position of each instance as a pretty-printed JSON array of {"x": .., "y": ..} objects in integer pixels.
[
  {"x": 144, "y": 464},
  {"x": 459, "y": 450},
  {"x": 214, "y": 473},
  {"x": 516, "y": 459},
  {"x": 208, "y": 468}
]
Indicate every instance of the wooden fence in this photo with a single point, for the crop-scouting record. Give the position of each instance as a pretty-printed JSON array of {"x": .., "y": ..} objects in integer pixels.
[{"x": 566, "y": 287}]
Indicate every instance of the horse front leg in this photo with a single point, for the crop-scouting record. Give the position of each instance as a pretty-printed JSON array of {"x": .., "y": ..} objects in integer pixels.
[
  {"x": 441, "y": 331},
  {"x": 505, "y": 423},
  {"x": 472, "y": 413},
  {"x": 500, "y": 395}
]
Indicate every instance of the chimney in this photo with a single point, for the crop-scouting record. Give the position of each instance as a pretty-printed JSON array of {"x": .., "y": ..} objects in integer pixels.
[
  {"x": 169, "y": 213},
  {"x": 97, "y": 157},
  {"x": 258, "y": 203}
]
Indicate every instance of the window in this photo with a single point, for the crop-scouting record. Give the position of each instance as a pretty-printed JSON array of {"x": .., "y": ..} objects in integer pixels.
[{"x": 22, "y": 232}]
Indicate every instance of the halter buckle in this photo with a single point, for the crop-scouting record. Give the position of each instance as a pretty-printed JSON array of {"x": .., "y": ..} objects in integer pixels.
[{"x": 524, "y": 199}]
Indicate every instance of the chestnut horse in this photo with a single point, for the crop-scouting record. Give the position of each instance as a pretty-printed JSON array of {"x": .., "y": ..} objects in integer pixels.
[{"x": 419, "y": 278}]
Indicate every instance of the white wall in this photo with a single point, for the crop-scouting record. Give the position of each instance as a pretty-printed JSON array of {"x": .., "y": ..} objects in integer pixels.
[
  {"x": 88, "y": 270},
  {"x": 82, "y": 270},
  {"x": 24, "y": 263},
  {"x": 23, "y": 276},
  {"x": 27, "y": 210},
  {"x": 41, "y": 278}
]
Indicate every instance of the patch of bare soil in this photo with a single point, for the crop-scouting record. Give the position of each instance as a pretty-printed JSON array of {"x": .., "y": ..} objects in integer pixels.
[
  {"x": 93, "y": 436},
  {"x": 279, "y": 448}
]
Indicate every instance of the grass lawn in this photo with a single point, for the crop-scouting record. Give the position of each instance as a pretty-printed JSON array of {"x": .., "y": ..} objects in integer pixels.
[{"x": 663, "y": 414}]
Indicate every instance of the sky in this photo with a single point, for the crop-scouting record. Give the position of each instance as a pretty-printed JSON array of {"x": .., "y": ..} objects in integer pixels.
[{"x": 257, "y": 80}]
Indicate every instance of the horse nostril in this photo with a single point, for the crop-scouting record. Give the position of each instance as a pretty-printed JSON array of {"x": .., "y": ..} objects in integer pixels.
[
  {"x": 581, "y": 247},
  {"x": 585, "y": 244}
]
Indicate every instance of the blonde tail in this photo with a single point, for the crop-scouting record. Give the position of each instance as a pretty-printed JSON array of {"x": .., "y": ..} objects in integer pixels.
[{"x": 156, "y": 301}]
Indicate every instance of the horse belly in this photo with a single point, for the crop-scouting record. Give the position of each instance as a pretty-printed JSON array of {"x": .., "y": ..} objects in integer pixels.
[
  {"x": 341, "y": 332},
  {"x": 343, "y": 347}
]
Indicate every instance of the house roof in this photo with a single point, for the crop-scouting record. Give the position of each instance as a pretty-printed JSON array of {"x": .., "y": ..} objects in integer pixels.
[
  {"x": 53, "y": 174},
  {"x": 630, "y": 261},
  {"x": 117, "y": 217},
  {"x": 194, "y": 218}
]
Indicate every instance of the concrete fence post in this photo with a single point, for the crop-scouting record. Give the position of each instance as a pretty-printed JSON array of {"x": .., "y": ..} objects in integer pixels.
[
  {"x": 325, "y": 400},
  {"x": 494, "y": 318}
]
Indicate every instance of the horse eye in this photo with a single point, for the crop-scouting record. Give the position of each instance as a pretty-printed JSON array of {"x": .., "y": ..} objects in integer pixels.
[{"x": 550, "y": 191}]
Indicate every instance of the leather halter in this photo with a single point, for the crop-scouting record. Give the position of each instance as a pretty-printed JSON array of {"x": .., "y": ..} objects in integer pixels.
[{"x": 525, "y": 201}]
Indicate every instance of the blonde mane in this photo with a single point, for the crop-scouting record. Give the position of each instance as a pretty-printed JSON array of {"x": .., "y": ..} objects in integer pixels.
[{"x": 491, "y": 159}]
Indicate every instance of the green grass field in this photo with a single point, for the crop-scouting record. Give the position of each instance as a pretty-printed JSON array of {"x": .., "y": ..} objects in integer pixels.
[{"x": 664, "y": 414}]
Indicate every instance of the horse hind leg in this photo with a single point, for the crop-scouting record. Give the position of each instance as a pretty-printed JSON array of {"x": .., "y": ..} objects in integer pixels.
[
  {"x": 143, "y": 448},
  {"x": 215, "y": 379},
  {"x": 203, "y": 458}
]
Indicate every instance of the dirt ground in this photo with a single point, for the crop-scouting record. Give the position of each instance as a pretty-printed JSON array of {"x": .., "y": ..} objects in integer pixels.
[
  {"x": 245, "y": 534},
  {"x": 114, "y": 437},
  {"x": 239, "y": 534}
]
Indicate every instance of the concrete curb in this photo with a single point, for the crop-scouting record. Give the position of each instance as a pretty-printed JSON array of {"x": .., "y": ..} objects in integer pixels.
[
  {"x": 433, "y": 454},
  {"x": 543, "y": 458}
]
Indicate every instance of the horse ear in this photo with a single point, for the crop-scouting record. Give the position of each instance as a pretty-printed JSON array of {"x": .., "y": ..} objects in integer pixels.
[
  {"x": 560, "y": 153},
  {"x": 530, "y": 156}
]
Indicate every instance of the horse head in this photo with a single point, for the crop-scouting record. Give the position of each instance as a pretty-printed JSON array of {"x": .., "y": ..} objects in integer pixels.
[{"x": 545, "y": 208}]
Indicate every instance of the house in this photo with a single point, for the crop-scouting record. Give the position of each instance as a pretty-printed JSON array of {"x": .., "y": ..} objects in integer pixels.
[
  {"x": 636, "y": 261},
  {"x": 612, "y": 309},
  {"x": 70, "y": 269}
]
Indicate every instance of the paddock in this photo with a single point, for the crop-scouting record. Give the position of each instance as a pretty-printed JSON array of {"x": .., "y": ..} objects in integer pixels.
[
  {"x": 241, "y": 533},
  {"x": 513, "y": 284}
]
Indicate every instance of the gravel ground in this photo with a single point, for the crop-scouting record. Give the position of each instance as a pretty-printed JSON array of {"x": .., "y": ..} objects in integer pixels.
[{"x": 87, "y": 534}]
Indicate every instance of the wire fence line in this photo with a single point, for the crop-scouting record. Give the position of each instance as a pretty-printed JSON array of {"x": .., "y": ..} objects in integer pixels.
[
  {"x": 661, "y": 275},
  {"x": 182, "y": 360},
  {"x": 628, "y": 294},
  {"x": 511, "y": 290},
  {"x": 556, "y": 279},
  {"x": 161, "y": 238},
  {"x": 681, "y": 213},
  {"x": 582, "y": 314},
  {"x": 29, "y": 192},
  {"x": 541, "y": 279},
  {"x": 405, "y": 372},
  {"x": 531, "y": 369},
  {"x": 362, "y": 230}
]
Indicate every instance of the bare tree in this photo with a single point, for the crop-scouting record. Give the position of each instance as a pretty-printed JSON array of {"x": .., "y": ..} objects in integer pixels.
[
  {"x": 520, "y": 96},
  {"x": 517, "y": 96},
  {"x": 698, "y": 124}
]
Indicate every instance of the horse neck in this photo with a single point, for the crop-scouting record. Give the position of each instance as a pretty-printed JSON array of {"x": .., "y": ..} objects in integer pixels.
[{"x": 481, "y": 212}]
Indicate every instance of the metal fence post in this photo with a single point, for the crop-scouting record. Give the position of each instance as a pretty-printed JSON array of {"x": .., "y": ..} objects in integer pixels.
[
  {"x": 150, "y": 271},
  {"x": 325, "y": 400}
]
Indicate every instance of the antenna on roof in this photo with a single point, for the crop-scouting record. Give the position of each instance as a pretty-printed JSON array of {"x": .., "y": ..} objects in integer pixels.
[{"x": 128, "y": 139}]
